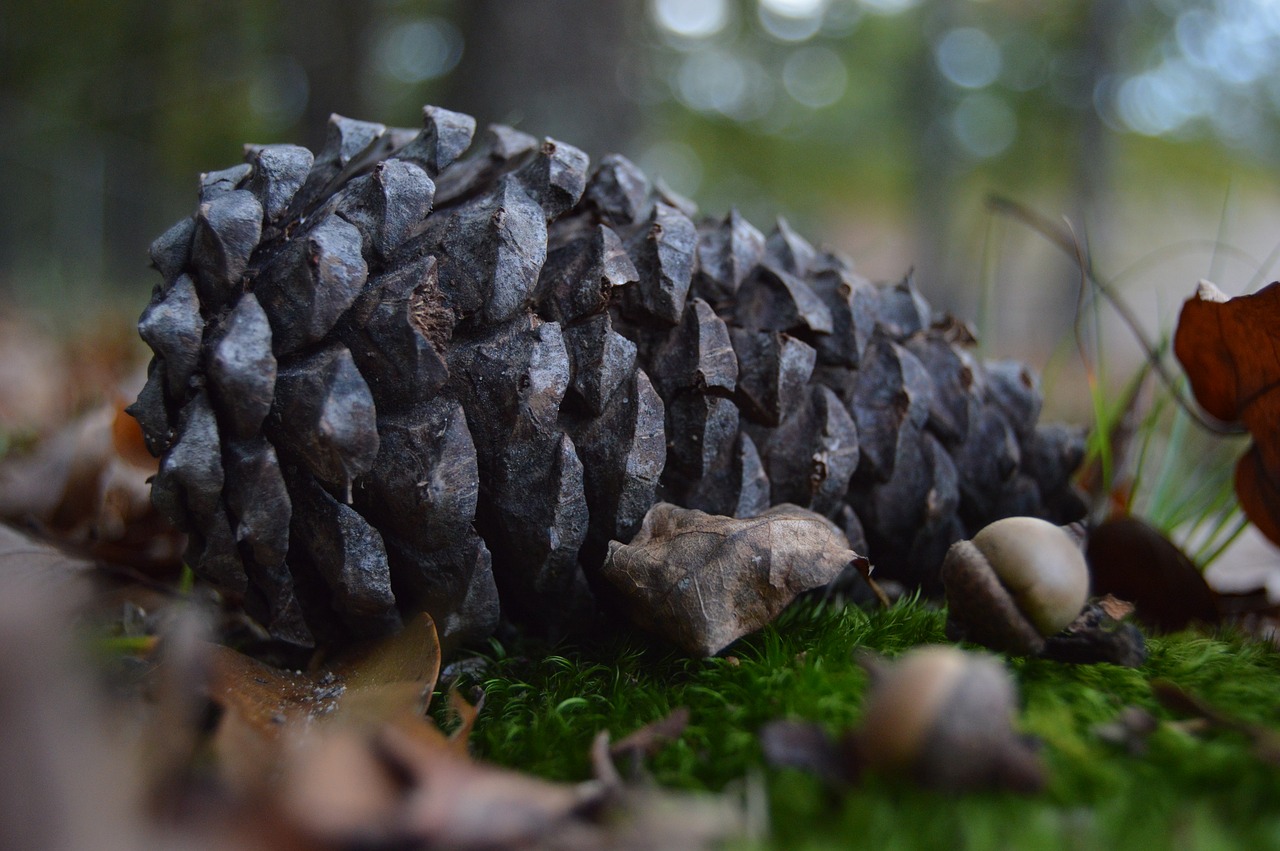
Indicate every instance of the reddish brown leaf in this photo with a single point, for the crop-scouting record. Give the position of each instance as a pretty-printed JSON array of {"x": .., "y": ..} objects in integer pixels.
[
  {"x": 264, "y": 697},
  {"x": 1230, "y": 349},
  {"x": 262, "y": 705},
  {"x": 126, "y": 437},
  {"x": 1258, "y": 489},
  {"x": 336, "y": 787}
]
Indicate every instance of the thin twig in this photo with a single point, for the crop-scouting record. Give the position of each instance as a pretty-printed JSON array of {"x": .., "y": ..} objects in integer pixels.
[{"x": 1068, "y": 244}]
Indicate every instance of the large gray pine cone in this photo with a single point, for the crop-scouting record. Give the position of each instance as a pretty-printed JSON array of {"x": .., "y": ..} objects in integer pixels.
[{"x": 387, "y": 379}]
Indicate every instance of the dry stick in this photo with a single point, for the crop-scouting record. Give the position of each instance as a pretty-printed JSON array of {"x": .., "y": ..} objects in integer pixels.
[{"x": 1069, "y": 244}]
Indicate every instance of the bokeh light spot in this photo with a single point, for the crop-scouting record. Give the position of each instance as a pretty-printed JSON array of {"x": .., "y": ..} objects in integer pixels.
[
  {"x": 692, "y": 19},
  {"x": 675, "y": 163},
  {"x": 418, "y": 50},
  {"x": 984, "y": 125},
  {"x": 968, "y": 58},
  {"x": 889, "y": 7},
  {"x": 795, "y": 8},
  {"x": 815, "y": 76}
]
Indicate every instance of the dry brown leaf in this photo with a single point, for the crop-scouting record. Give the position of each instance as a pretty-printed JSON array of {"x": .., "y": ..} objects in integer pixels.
[
  {"x": 26, "y": 562},
  {"x": 371, "y": 685},
  {"x": 265, "y": 709},
  {"x": 702, "y": 581},
  {"x": 1230, "y": 349},
  {"x": 1115, "y": 608},
  {"x": 808, "y": 747},
  {"x": 390, "y": 676},
  {"x": 409, "y": 784},
  {"x": 265, "y": 697},
  {"x": 337, "y": 787},
  {"x": 87, "y": 486},
  {"x": 455, "y": 802}
]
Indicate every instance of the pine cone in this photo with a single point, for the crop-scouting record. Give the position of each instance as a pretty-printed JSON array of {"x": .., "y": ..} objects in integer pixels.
[{"x": 388, "y": 379}]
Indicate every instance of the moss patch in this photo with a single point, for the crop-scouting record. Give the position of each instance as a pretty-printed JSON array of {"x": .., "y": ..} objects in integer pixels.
[{"x": 1186, "y": 790}]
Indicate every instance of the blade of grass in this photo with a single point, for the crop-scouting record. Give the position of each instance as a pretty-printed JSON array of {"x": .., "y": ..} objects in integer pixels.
[{"x": 1206, "y": 556}]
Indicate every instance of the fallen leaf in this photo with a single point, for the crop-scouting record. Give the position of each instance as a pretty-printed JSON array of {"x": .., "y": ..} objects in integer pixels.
[
  {"x": 26, "y": 562},
  {"x": 265, "y": 697},
  {"x": 1136, "y": 562},
  {"x": 636, "y": 745},
  {"x": 372, "y": 684},
  {"x": 389, "y": 676},
  {"x": 262, "y": 706},
  {"x": 1230, "y": 350},
  {"x": 87, "y": 486},
  {"x": 702, "y": 581},
  {"x": 337, "y": 787},
  {"x": 454, "y": 802}
]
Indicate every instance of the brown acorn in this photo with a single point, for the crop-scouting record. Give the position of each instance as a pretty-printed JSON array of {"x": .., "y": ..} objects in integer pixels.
[
  {"x": 1019, "y": 581},
  {"x": 944, "y": 718}
]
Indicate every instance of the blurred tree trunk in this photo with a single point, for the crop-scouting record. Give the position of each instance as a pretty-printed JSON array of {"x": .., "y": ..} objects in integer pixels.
[
  {"x": 328, "y": 39},
  {"x": 935, "y": 162},
  {"x": 1099, "y": 44},
  {"x": 550, "y": 68}
]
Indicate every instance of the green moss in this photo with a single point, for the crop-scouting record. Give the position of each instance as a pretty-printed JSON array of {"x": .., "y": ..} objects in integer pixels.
[{"x": 1204, "y": 790}]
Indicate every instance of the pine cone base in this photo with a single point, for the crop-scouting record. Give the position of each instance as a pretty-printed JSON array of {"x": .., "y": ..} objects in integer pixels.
[{"x": 389, "y": 379}]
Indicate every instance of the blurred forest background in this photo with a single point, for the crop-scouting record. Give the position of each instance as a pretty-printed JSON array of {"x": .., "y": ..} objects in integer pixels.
[{"x": 877, "y": 127}]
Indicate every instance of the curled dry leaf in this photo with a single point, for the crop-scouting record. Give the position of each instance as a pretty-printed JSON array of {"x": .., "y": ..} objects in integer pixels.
[
  {"x": 455, "y": 802},
  {"x": 702, "y": 581},
  {"x": 636, "y": 745},
  {"x": 415, "y": 787},
  {"x": 373, "y": 683},
  {"x": 1230, "y": 349}
]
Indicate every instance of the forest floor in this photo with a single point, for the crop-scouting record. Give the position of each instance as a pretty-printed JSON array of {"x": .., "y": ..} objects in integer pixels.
[{"x": 127, "y": 719}]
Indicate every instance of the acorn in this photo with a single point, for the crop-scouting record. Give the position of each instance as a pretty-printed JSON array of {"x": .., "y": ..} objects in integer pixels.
[
  {"x": 1019, "y": 581},
  {"x": 943, "y": 717}
]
